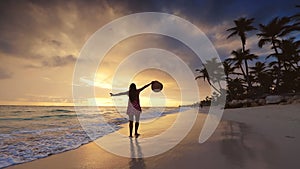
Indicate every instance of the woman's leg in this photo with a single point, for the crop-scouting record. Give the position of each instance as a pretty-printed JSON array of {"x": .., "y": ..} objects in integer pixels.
[
  {"x": 130, "y": 125},
  {"x": 137, "y": 119}
]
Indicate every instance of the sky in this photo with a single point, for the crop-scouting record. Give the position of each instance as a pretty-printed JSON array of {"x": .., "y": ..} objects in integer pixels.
[{"x": 41, "y": 42}]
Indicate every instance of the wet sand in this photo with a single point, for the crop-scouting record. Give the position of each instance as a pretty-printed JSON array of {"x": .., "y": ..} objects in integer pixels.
[{"x": 258, "y": 137}]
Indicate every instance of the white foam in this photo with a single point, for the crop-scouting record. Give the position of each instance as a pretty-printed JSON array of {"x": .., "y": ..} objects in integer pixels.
[{"x": 19, "y": 144}]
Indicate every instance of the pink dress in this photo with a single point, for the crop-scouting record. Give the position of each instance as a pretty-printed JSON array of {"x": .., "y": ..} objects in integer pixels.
[{"x": 134, "y": 107}]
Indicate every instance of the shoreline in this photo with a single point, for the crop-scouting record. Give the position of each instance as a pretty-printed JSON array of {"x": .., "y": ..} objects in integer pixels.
[
  {"x": 31, "y": 150},
  {"x": 267, "y": 132},
  {"x": 122, "y": 130}
]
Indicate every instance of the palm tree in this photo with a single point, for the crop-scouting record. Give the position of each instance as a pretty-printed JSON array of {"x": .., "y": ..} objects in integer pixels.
[
  {"x": 273, "y": 33},
  {"x": 215, "y": 69},
  {"x": 290, "y": 53},
  {"x": 262, "y": 76},
  {"x": 213, "y": 72},
  {"x": 238, "y": 57},
  {"x": 236, "y": 89},
  {"x": 243, "y": 25},
  {"x": 204, "y": 74},
  {"x": 258, "y": 69},
  {"x": 228, "y": 69}
]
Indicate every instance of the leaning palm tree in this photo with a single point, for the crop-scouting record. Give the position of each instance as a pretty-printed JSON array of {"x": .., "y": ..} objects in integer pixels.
[
  {"x": 205, "y": 76},
  {"x": 272, "y": 33},
  {"x": 215, "y": 69},
  {"x": 214, "y": 73},
  {"x": 243, "y": 25}
]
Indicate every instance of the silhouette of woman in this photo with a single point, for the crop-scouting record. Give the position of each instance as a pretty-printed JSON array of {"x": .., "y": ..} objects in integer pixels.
[{"x": 133, "y": 108}]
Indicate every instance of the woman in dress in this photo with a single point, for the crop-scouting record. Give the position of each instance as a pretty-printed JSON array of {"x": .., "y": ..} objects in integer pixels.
[{"x": 134, "y": 107}]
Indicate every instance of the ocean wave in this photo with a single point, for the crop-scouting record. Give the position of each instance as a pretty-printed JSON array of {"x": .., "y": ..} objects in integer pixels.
[
  {"x": 39, "y": 117},
  {"x": 41, "y": 131},
  {"x": 55, "y": 130},
  {"x": 57, "y": 116},
  {"x": 61, "y": 110},
  {"x": 18, "y": 149},
  {"x": 15, "y": 118}
]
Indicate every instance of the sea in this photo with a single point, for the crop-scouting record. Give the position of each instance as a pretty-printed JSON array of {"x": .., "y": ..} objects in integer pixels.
[{"x": 32, "y": 132}]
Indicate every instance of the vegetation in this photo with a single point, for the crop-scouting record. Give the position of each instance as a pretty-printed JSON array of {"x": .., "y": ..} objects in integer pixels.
[{"x": 252, "y": 76}]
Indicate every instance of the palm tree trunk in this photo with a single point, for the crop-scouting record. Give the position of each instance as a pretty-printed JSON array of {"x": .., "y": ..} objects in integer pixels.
[
  {"x": 247, "y": 71},
  {"x": 213, "y": 86},
  {"x": 219, "y": 84},
  {"x": 243, "y": 71},
  {"x": 279, "y": 64}
]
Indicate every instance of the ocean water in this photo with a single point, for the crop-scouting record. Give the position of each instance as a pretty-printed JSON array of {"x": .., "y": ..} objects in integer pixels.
[{"x": 32, "y": 132}]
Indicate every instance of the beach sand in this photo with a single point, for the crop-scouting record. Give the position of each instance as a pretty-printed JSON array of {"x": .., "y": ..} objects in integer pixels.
[{"x": 256, "y": 137}]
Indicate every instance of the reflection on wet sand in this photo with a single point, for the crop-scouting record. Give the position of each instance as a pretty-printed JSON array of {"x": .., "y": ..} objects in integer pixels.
[
  {"x": 241, "y": 147},
  {"x": 136, "y": 163}
]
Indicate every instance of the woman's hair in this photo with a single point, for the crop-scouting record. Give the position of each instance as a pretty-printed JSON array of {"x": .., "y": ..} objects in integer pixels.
[{"x": 132, "y": 92}]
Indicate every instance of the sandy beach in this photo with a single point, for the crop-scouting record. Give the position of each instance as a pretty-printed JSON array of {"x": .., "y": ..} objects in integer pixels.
[{"x": 256, "y": 137}]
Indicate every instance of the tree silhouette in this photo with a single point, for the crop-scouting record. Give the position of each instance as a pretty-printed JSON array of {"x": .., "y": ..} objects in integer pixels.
[
  {"x": 204, "y": 75},
  {"x": 289, "y": 53},
  {"x": 243, "y": 25},
  {"x": 214, "y": 73},
  {"x": 272, "y": 33},
  {"x": 236, "y": 89},
  {"x": 280, "y": 71},
  {"x": 228, "y": 69},
  {"x": 238, "y": 57},
  {"x": 262, "y": 77}
]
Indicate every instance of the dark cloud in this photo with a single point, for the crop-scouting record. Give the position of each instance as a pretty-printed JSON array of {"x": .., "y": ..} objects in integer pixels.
[
  {"x": 58, "y": 61},
  {"x": 4, "y": 74},
  {"x": 53, "y": 42},
  {"x": 6, "y": 47},
  {"x": 208, "y": 14},
  {"x": 23, "y": 24},
  {"x": 268, "y": 10},
  {"x": 31, "y": 66},
  {"x": 211, "y": 12},
  {"x": 29, "y": 28}
]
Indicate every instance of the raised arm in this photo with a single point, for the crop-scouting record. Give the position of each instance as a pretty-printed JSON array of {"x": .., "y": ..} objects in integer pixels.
[
  {"x": 119, "y": 94},
  {"x": 141, "y": 89}
]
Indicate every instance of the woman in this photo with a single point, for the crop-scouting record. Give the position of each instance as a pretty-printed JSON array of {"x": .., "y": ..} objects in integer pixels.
[{"x": 134, "y": 107}]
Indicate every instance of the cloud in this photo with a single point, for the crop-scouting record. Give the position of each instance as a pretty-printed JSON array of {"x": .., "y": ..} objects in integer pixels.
[
  {"x": 37, "y": 29},
  {"x": 50, "y": 34},
  {"x": 53, "y": 42},
  {"x": 5, "y": 74},
  {"x": 210, "y": 12},
  {"x": 58, "y": 61},
  {"x": 6, "y": 47}
]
